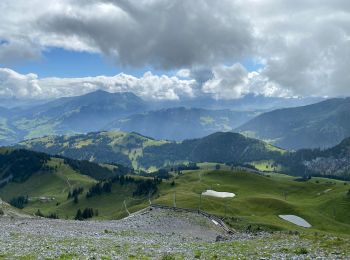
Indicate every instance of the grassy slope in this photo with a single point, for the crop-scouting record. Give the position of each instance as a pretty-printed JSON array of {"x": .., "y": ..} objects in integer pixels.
[
  {"x": 258, "y": 202},
  {"x": 57, "y": 186},
  {"x": 266, "y": 165},
  {"x": 129, "y": 144},
  {"x": 260, "y": 199}
]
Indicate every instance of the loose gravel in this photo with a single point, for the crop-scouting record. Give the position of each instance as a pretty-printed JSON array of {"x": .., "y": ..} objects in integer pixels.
[{"x": 154, "y": 234}]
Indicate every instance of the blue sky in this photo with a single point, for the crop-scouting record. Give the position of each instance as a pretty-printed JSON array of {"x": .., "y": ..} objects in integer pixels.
[{"x": 58, "y": 62}]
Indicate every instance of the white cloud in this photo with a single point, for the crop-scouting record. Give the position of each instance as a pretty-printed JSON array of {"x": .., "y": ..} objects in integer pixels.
[
  {"x": 13, "y": 84},
  {"x": 304, "y": 46},
  {"x": 183, "y": 73},
  {"x": 161, "y": 33},
  {"x": 228, "y": 82},
  {"x": 149, "y": 86},
  {"x": 232, "y": 82}
]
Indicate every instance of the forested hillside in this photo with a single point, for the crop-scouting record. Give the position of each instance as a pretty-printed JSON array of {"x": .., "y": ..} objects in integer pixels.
[
  {"x": 333, "y": 162},
  {"x": 146, "y": 153}
]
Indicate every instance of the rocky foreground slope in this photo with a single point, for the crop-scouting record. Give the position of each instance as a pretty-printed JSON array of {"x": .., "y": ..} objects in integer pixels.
[{"x": 155, "y": 234}]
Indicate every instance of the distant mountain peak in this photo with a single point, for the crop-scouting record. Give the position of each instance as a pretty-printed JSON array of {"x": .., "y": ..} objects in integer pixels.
[
  {"x": 100, "y": 91},
  {"x": 103, "y": 93}
]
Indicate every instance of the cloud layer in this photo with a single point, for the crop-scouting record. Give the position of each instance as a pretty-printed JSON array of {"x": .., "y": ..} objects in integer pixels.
[
  {"x": 149, "y": 86},
  {"x": 303, "y": 46},
  {"x": 226, "y": 82}
]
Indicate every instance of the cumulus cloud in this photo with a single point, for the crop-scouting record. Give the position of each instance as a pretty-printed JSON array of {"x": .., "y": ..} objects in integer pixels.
[
  {"x": 149, "y": 86},
  {"x": 13, "y": 84},
  {"x": 161, "y": 33},
  {"x": 232, "y": 82},
  {"x": 303, "y": 46},
  {"x": 228, "y": 82}
]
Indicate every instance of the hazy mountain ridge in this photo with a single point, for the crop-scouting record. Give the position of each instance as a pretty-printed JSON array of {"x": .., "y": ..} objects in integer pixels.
[
  {"x": 319, "y": 125},
  {"x": 101, "y": 110},
  {"x": 182, "y": 123},
  {"x": 68, "y": 115},
  {"x": 250, "y": 102}
]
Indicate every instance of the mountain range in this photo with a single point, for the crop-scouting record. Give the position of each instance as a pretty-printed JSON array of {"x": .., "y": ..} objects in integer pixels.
[
  {"x": 182, "y": 123},
  {"x": 101, "y": 110},
  {"x": 249, "y": 102},
  {"x": 67, "y": 115},
  {"x": 320, "y": 125}
]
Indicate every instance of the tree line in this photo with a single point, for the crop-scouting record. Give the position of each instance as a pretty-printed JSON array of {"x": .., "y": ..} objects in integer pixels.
[
  {"x": 75, "y": 192},
  {"x": 19, "y": 202},
  {"x": 86, "y": 213},
  {"x": 143, "y": 186}
]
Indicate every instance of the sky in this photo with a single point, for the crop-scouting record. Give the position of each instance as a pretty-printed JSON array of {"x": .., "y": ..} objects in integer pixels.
[{"x": 169, "y": 50}]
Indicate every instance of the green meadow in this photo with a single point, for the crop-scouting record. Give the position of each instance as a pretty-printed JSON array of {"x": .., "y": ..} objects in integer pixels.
[
  {"x": 259, "y": 199},
  {"x": 324, "y": 203},
  {"x": 48, "y": 192}
]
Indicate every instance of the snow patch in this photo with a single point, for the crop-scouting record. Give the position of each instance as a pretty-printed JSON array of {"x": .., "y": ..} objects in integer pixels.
[
  {"x": 296, "y": 220},
  {"x": 218, "y": 194}
]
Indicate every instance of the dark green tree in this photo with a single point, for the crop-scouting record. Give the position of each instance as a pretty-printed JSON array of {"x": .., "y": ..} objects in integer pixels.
[
  {"x": 79, "y": 215},
  {"x": 76, "y": 199}
]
